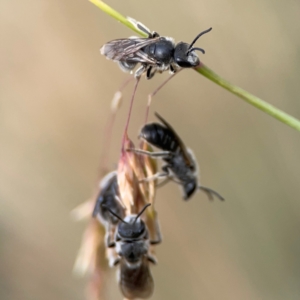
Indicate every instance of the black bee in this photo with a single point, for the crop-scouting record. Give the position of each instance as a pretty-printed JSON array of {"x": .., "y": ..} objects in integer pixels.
[
  {"x": 132, "y": 246},
  {"x": 108, "y": 197},
  {"x": 155, "y": 53},
  {"x": 181, "y": 165}
]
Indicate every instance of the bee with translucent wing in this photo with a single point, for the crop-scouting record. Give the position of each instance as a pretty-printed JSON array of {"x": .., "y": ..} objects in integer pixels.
[
  {"x": 181, "y": 165},
  {"x": 154, "y": 53}
]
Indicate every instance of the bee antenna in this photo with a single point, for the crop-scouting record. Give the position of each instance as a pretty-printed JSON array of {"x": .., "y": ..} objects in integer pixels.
[
  {"x": 197, "y": 37},
  {"x": 140, "y": 213},
  {"x": 210, "y": 193},
  {"x": 193, "y": 49},
  {"x": 106, "y": 207}
]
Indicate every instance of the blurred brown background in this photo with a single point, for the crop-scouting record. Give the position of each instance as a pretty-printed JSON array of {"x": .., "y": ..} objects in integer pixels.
[{"x": 55, "y": 91}]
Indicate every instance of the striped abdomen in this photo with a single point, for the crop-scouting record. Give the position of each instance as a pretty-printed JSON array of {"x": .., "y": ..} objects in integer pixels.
[
  {"x": 136, "y": 281},
  {"x": 160, "y": 137}
]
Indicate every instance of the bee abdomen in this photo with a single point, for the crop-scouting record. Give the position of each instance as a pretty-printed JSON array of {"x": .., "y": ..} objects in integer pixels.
[
  {"x": 136, "y": 281},
  {"x": 160, "y": 137},
  {"x": 127, "y": 66}
]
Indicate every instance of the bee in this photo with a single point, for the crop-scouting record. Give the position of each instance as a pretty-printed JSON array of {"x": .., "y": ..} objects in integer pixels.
[
  {"x": 132, "y": 246},
  {"x": 154, "y": 53},
  {"x": 181, "y": 165},
  {"x": 108, "y": 198}
]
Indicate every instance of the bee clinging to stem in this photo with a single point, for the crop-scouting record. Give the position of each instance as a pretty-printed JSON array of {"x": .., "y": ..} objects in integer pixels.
[
  {"x": 155, "y": 53},
  {"x": 133, "y": 248},
  {"x": 181, "y": 165},
  {"x": 108, "y": 197}
]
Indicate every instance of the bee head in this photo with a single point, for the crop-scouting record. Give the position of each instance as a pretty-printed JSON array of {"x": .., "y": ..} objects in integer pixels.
[
  {"x": 132, "y": 227},
  {"x": 184, "y": 54},
  {"x": 189, "y": 189}
]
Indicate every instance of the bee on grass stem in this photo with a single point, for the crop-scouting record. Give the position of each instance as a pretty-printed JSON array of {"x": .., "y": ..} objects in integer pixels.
[
  {"x": 132, "y": 246},
  {"x": 109, "y": 198},
  {"x": 155, "y": 53},
  {"x": 180, "y": 164}
]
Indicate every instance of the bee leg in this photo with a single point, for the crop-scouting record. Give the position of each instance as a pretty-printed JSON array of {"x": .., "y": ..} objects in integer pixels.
[
  {"x": 163, "y": 182},
  {"x": 150, "y": 96},
  {"x": 173, "y": 69},
  {"x": 116, "y": 262},
  {"x": 109, "y": 242},
  {"x": 152, "y": 259},
  {"x": 154, "y": 177},
  {"x": 176, "y": 181},
  {"x": 112, "y": 256},
  {"x": 160, "y": 154},
  {"x": 156, "y": 242},
  {"x": 159, "y": 238},
  {"x": 140, "y": 26},
  {"x": 109, "y": 237},
  {"x": 153, "y": 73},
  {"x": 149, "y": 73},
  {"x": 165, "y": 174},
  {"x": 210, "y": 193},
  {"x": 154, "y": 230},
  {"x": 143, "y": 28},
  {"x": 165, "y": 168},
  {"x": 138, "y": 73}
]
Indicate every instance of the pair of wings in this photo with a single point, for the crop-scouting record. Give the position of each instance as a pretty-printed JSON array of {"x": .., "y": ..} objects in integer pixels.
[
  {"x": 187, "y": 158},
  {"x": 108, "y": 183},
  {"x": 129, "y": 49}
]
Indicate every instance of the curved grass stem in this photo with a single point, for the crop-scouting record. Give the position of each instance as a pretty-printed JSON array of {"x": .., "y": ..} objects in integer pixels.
[
  {"x": 208, "y": 73},
  {"x": 253, "y": 100},
  {"x": 116, "y": 15}
]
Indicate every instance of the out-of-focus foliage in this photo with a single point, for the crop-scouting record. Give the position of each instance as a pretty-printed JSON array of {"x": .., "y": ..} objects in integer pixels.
[{"x": 55, "y": 93}]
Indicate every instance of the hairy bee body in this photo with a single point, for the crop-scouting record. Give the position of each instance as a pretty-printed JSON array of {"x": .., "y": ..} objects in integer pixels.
[
  {"x": 181, "y": 165},
  {"x": 154, "y": 54},
  {"x": 135, "y": 280},
  {"x": 133, "y": 249}
]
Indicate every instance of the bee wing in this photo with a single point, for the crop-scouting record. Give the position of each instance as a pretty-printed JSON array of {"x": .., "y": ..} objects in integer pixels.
[
  {"x": 182, "y": 146},
  {"x": 142, "y": 57},
  {"x": 122, "y": 49}
]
